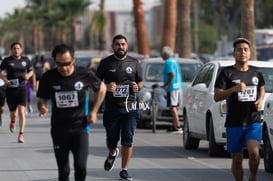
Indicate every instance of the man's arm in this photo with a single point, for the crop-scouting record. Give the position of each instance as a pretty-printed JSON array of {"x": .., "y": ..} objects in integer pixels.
[
  {"x": 28, "y": 75},
  {"x": 259, "y": 102},
  {"x": 42, "y": 107},
  {"x": 221, "y": 94},
  {"x": 92, "y": 117},
  {"x": 170, "y": 78}
]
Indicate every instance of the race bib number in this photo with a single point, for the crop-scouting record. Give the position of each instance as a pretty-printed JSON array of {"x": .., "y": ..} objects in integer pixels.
[
  {"x": 14, "y": 83},
  {"x": 66, "y": 99},
  {"x": 249, "y": 95},
  {"x": 121, "y": 91}
]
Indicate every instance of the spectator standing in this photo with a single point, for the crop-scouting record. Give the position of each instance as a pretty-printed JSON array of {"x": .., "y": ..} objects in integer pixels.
[
  {"x": 172, "y": 76},
  {"x": 41, "y": 65},
  {"x": 18, "y": 70},
  {"x": 243, "y": 88},
  {"x": 67, "y": 87},
  {"x": 123, "y": 78}
]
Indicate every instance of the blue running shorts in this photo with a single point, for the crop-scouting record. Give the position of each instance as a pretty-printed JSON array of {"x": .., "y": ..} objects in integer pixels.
[{"x": 237, "y": 137}]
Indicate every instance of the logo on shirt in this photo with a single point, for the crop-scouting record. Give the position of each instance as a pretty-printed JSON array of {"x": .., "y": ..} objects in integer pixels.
[
  {"x": 129, "y": 70},
  {"x": 23, "y": 63},
  {"x": 78, "y": 85},
  {"x": 236, "y": 81},
  {"x": 255, "y": 80},
  {"x": 112, "y": 70},
  {"x": 56, "y": 87}
]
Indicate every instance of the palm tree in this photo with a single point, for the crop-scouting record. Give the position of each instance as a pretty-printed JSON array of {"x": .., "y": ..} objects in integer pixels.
[
  {"x": 248, "y": 24},
  {"x": 73, "y": 9},
  {"x": 169, "y": 24},
  {"x": 97, "y": 27},
  {"x": 184, "y": 48},
  {"x": 141, "y": 29}
]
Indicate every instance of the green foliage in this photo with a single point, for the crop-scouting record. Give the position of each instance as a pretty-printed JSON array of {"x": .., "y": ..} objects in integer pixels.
[{"x": 207, "y": 39}]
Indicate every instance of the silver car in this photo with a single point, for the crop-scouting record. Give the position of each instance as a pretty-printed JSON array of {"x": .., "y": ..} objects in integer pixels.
[{"x": 153, "y": 101}]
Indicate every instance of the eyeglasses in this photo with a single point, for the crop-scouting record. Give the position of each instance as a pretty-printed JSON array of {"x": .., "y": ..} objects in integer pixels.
[{"x": 64, "y": 64}]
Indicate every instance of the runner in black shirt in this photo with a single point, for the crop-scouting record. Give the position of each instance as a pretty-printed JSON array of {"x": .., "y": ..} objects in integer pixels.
[
  {"x": 68, "y": 87},
  {"x": 243, "y": 88},
  {"x": 15, "y": 71},
  {"x": 123, "y": 78}
]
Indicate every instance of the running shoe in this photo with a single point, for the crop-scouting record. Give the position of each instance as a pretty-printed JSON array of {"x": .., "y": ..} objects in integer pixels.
[
  {"x": 21, "y": 138},
  {"x": 30, "y": 109},
  {"x": 124, "y": 175},
  {"x": 175, "y": 130},
  {"x": 12, "y": 126},
  {"x": 110, "y": 160}
]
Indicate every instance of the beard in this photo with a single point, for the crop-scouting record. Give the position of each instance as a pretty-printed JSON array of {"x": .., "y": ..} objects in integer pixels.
[{"x": 120, "y": 54}]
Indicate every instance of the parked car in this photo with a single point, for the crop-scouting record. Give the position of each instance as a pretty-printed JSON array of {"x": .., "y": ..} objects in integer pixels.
[
  {"x": 203, "y": 117},
  {"x": 265, "y": 52},
  {"x": 84, "y": 57},
  {"x": 153, "y": 75},
  {"x": 268, "y": 134}
]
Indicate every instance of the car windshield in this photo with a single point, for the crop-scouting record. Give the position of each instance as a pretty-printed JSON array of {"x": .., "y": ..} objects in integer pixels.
[
  {"x": 154, "y": 71},
  {"x": 265, "y": 53},
  {"x": 268, "y": 78}
]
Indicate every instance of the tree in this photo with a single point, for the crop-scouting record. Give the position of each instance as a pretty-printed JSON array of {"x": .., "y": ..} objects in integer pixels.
[
  {"x": 73, "y": 9},
  {"x": 141, "y": 29},
  {"x": 184, "y": 48},
  {"x": 248, "y": 24},
  {"x": 169, "y": 23},
  {"x": 97, "y": 27}
]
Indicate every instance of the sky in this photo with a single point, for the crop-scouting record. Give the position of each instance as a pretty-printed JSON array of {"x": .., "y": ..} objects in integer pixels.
[{"x": 8, "y": 6}]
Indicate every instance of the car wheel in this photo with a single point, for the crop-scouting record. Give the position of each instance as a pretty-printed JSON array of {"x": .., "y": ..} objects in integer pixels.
[
  {"x": 268, "y": 155},
  {"x": 188, "y": 141},
  {"x": 214, "y": 148}
]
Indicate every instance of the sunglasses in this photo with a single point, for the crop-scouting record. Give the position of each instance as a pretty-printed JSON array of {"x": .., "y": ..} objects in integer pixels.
[{"x": 64, "y": 64}]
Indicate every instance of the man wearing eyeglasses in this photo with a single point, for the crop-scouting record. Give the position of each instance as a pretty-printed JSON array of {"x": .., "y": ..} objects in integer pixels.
[{"x": 68, "y": 87}]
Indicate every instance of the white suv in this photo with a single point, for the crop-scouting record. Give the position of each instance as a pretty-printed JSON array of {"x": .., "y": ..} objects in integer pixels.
[
  {"x": 268, "y": 134},
  {"x": 203, "y": 117}
]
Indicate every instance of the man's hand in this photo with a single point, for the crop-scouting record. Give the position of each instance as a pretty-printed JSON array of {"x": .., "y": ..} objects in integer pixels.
[
  {"x": 135, "y": 87},
  {"x": 111, "y": 87},
  {"x": 43, "y": 111},
  {"x": 92, "y": 117}
]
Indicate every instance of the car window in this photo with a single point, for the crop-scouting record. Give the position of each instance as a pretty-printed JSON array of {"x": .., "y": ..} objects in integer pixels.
[
  {"x": 154, "y": 72},
  {"x": 268, "y": 78},
  {"x": 204, "y": 75},
  {"x": 265, "y": 53},
  {"x": 189, "y": 71}
]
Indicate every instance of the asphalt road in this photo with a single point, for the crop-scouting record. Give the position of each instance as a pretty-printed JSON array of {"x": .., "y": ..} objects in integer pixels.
[{"x": 156, "y": 157}]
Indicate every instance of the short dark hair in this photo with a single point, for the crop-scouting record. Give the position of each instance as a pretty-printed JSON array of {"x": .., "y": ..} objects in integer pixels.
[
  {"x": 241, "y": 40},
  {"x": 119, "y": 37},
  {"x": 15, "y": 43},
  {"x": 62, "y": 48}
]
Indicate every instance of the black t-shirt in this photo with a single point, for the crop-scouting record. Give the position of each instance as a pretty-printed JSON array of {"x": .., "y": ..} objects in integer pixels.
[
  {"x": 16, "y": 69},
  {"x": 240, "y": 106},
  {"x": 38, "y": 67},
  {"x": 123, "y": 73},
  {"x": 69, "y": 96}
]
